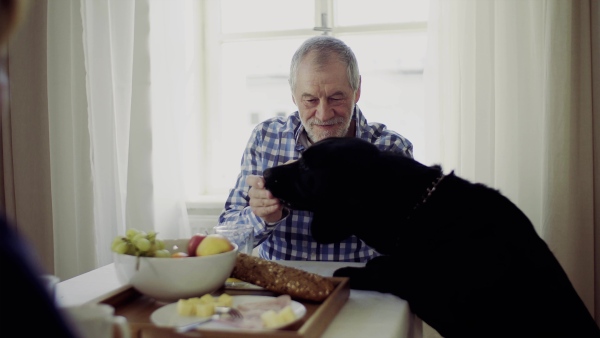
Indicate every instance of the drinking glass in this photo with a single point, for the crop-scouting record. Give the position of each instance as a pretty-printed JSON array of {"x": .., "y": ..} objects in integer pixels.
[{"x": 240, "y": 234}]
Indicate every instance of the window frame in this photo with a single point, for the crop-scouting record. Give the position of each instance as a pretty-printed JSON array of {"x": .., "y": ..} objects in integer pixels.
[{"x": 212, "y": 38}]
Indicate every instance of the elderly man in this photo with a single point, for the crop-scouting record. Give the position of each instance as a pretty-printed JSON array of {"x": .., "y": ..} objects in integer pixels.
[{"x": 326, "y": 86}]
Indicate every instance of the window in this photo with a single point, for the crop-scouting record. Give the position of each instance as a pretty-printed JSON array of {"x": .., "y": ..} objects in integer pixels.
[{"x": 248, "y": 46}]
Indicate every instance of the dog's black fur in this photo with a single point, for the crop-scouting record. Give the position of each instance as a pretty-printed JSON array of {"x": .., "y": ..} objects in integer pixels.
[{"x": 467, "y": 260}]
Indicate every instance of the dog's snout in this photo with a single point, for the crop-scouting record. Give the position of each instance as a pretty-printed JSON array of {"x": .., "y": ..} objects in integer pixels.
[
  {"x": 270, "y": 179},
  {"x": 267, "y": 173}
]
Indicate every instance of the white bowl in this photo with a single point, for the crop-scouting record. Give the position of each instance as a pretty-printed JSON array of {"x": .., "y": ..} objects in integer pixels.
[{"x": 171, "y": 279}]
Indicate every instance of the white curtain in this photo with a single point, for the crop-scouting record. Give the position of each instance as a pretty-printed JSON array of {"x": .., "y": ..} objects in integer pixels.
[
  {"x": 509, "y": 88},
  {"x": 115, "y": 116}
]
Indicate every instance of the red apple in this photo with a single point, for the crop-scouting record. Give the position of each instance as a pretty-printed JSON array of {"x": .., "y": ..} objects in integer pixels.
[
  {"x": 193, "y": 244},
  {"x": 213, "y": 244}
]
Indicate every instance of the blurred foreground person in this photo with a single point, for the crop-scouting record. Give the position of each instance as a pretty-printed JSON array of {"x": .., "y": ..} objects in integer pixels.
[{"x": 23, "y": 293}]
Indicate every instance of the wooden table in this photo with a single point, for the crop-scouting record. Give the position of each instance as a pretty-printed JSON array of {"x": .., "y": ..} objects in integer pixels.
[{"x": 365, "y": 313}]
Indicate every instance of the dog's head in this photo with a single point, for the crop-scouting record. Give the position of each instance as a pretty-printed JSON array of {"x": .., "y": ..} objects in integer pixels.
[
  {"x": 325, "y": 170},
  {"x": 349, "y": 185}
]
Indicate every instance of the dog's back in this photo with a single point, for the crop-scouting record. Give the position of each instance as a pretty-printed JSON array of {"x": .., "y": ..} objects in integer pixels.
[
  {"x": 470, "y": 261},
  {"x": 490, "y": 263}
]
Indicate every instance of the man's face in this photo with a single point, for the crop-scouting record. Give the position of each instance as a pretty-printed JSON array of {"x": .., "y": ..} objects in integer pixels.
[{"x": 324, "y": 98}]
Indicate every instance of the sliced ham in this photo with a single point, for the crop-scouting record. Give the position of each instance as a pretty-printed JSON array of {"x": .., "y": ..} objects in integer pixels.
[
  {"x": 276, "y": 304},
  {"x": 253, "y": 310}
]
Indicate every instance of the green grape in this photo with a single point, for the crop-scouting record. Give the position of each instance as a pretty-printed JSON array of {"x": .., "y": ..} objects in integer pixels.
[
  {"x": 117, "y": 240},
  {"x": 131, "y": 233},
  {"x": 153, "y": 249},
  {"x": 121, "y": 248},
  {"x": 131, "y": 250},
  {"x": 142, "y": 244},
  {"x": 138, "y": 236},
  {"x": 163, "y": 253}
]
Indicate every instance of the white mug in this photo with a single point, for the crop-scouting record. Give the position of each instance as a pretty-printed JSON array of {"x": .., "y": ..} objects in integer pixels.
[
  {"x": 97, "y": 321},
  {"x": 50, "y": 282}
]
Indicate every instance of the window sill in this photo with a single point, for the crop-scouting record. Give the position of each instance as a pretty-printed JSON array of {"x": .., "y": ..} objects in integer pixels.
[
  {"x": 206, "y": 205},
  {"x": 204, "y": 202},
  {"x": 204, "y": 211}
]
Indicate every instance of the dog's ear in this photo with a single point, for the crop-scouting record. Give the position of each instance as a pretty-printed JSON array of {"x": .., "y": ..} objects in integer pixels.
[{"x": 326, "y": 230}]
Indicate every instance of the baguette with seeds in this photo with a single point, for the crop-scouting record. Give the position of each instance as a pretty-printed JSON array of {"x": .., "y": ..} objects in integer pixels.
[{"x": 282, "y": 279}]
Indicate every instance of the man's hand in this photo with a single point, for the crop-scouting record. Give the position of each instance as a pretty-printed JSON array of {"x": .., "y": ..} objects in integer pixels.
[{"x": 262, "y": 202}]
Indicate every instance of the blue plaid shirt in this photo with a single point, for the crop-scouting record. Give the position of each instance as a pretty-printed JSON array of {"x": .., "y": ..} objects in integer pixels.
[{"x": 274, "y": 142}]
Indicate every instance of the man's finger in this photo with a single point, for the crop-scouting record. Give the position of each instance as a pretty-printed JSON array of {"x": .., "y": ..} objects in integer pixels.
[{"x": 253, "y": 180}]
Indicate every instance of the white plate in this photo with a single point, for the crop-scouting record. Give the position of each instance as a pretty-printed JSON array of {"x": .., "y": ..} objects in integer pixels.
[
  {"x": 236, "y": 284},
  {"x": 167, "y": 315}
]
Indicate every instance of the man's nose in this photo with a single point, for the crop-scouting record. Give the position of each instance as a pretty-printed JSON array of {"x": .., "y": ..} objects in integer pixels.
[{"x": 324, "y": 111}]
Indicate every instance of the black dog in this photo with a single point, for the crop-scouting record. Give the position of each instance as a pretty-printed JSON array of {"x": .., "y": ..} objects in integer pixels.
[{"x": 466, "y": 259}]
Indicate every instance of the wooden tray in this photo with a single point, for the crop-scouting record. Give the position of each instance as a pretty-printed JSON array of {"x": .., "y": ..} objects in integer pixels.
[{"x": 137, "y": 308}]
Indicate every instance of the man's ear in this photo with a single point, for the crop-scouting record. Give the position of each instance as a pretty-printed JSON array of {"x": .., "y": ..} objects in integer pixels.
[
  {"x": 357, "y": 95},
  {"x": 294, "y": 100}
]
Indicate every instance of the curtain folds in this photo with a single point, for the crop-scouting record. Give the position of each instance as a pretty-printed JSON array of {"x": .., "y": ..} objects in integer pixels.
[
  {"x": 107, "y": 139},
  {"x": 568, "y": 223},
  {"x": 510, "y": 105},
  {"x": 71, "y": 176}
]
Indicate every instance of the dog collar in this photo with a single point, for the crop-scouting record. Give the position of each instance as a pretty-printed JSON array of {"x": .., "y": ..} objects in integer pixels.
[
  {"x": 423, "y": 200},
  {"x": 429, "y": 191}
]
